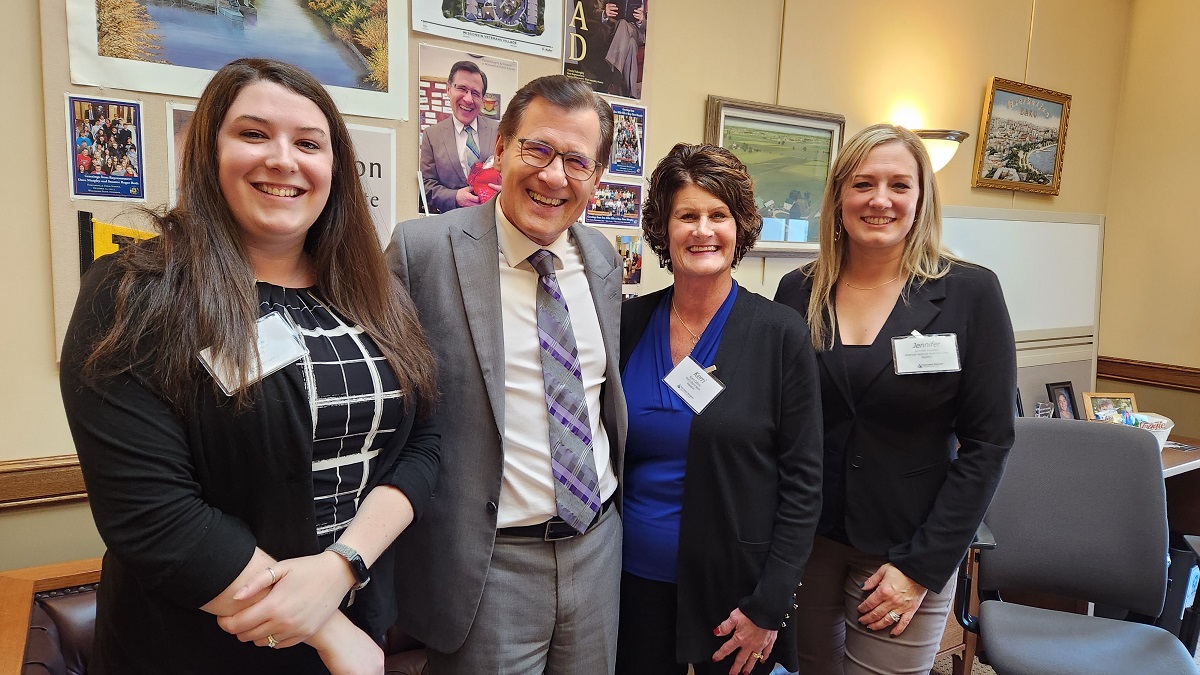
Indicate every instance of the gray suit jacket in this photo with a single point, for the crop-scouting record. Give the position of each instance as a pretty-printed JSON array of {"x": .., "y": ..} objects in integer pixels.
[
  {"x": 441, "y": 169},
  {"x": 449, "y": 265}
]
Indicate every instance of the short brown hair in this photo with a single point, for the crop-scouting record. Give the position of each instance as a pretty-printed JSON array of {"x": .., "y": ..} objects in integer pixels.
[
  {"x": 713, "y": 169},
  {"x": 563, "y": 92}
]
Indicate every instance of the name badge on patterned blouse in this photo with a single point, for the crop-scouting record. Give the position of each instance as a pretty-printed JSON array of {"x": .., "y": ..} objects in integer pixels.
[
  {"x": 695, "y": 385},
  {"x": 916, "y": 354},
  {"x": 279, "y": 344}
]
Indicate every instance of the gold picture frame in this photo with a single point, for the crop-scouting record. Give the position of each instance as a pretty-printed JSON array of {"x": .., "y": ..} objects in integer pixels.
[
  {"x": 1022, "y": 138},
  {"x": 1097, "y": 406}
]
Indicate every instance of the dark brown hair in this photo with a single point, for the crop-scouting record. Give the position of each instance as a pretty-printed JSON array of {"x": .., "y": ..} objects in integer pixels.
[
  {"x": 193, "y": 288},
  {"x": 713, "y": 169},
  {"x": 565, "y": 93}
]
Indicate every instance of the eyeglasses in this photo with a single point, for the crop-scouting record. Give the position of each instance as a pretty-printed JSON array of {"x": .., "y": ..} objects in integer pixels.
[
  {"x": 539, "y": 155},
  {"x": 475, "y": 93}
]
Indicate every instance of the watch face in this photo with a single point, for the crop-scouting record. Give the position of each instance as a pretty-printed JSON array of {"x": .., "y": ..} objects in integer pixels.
[{"x": 361, "y": 573}]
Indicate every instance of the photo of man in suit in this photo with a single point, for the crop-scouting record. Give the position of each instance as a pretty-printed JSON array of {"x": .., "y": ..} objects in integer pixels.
[
  {"x": 451, "y": 147},
  {"x": 515, "y": 565}
]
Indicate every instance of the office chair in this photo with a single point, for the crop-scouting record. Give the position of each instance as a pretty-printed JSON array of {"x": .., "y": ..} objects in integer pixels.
[{"x": 1080, "y": 513}]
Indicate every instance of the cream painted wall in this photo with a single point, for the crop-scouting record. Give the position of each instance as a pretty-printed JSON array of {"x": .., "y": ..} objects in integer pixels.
[{"x": 1150, "y": 310}]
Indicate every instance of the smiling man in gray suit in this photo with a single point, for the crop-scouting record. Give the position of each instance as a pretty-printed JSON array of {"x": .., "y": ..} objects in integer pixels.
[
  {"x": 515, "y": 565},
  {"x": 450, "y": 147}
]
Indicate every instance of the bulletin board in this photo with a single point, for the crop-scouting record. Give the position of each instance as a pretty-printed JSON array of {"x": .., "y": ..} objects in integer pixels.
[{"x": 402, "y": 176}]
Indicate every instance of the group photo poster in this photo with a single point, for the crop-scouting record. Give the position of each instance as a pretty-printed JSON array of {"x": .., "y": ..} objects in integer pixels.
[
  {"x": 174, "y": 48},
  {"x": 606, "y": 45},
  {"x": 458, "y": 90},
  {"x": 615, "y": 203},
  {"x": 375, "y": 161},
  {"x": 526, "y": 26},
  {"x": 105, "y": 156},
  {"x": 629, "y": 140}
]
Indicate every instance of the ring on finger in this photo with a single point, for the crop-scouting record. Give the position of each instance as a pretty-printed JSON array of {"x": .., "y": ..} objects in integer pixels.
[
  {"x": 757, "y": 656},
  {"x": 273, "y": 577},
  {"x": 271, "y": 641},
  {"x": 894, "y": 616}
]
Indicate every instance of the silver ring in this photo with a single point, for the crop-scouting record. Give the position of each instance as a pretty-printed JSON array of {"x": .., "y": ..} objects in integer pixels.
[
  {"x": 273, "y": 577},
  {"x": 271, "y": 641},
  {"x": 894, "y": 617}
]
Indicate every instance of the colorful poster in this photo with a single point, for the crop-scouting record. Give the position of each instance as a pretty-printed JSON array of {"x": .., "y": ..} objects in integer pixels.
[
  {"x": 105, "y": 149},
  {"x": 615, "y": 204},
  {"x": 629, "y": 140},
  {"x": 528, "y": 26},
  {"x": 174, "y": 47},
  {"x": 459, "y": 90},
  {"x": 606, "y": 45},
  {"x": 629, "y": 248}
]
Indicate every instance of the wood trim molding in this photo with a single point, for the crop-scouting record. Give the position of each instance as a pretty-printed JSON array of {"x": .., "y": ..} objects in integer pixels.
[
  {"x": 40, "y": 480},
  {"x": 1162, "y": 375}
]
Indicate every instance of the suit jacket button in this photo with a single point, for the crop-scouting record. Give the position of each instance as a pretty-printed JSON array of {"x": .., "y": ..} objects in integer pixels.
[
  {"x": 491, "y": 507},
  {"x": 856, "y": 461}
]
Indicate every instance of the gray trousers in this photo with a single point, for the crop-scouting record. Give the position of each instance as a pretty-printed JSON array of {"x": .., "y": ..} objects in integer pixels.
[
  {"x": 547, "y": 607},
  {"x": 833, "y": 642}
]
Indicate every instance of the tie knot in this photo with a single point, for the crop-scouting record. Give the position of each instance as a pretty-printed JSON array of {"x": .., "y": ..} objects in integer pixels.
[{"x": 542, "y": 261}]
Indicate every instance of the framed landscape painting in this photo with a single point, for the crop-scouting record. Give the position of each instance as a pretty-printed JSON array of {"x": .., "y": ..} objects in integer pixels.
[
  {"x": 1022, "y": 138},
  {"x": 789, "y": 153}
]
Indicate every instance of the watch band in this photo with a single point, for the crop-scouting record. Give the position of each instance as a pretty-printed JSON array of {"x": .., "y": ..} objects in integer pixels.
[{"x": 358, "y": 568}]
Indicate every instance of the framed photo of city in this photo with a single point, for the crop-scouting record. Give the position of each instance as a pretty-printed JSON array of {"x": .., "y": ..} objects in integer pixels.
[
  {"x": 789, "y": 153},
  {"x": 1022, "y": 138}
]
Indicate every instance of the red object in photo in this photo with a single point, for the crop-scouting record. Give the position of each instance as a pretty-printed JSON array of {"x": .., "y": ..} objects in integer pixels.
[{"x": 483, "y": 175}]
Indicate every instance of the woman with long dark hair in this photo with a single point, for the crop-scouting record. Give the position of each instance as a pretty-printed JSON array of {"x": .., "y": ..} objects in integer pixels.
[{"x": 249, "y": 394}]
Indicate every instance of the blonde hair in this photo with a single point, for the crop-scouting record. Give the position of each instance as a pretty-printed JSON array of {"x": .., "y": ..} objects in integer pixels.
[{"x": 923, "y": 258}]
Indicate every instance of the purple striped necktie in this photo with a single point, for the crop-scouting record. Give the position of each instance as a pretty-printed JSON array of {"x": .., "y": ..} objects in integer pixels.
[{"x": 576, "y": 485}]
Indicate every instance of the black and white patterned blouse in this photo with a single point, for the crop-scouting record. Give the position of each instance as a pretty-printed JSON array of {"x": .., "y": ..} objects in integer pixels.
[{"x": 354, "y": 399}]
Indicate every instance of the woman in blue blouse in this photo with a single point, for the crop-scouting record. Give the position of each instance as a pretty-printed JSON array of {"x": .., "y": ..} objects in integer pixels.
[{"x": 722, "y": 490}]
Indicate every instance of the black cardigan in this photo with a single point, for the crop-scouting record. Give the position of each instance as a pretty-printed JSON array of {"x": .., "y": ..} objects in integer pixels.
[
  {"x": 751, "y": 490},
  {"x": 182, "y": 503},
  {"x": 890, "y": 449}
]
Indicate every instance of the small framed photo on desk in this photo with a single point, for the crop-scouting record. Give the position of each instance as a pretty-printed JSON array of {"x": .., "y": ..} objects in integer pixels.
[
  {"x": 1104, "y": 406},
  {"x": 1062, "y": 400}
]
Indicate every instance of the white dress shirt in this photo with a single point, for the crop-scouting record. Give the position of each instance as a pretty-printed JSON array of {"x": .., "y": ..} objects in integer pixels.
[{"x": 527, "y": 485}]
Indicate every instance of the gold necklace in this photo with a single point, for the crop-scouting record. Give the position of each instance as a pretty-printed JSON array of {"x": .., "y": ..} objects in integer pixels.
[
  {"x": 695, "y": 338},
  {"x": 871, "y": 288}
]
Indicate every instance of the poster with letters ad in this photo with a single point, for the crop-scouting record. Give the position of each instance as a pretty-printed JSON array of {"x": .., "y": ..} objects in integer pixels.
[{"x": 606, "y": 45}]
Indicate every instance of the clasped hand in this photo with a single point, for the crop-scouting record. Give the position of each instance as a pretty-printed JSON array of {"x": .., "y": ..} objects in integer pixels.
[{"x": 294, "y": 603}]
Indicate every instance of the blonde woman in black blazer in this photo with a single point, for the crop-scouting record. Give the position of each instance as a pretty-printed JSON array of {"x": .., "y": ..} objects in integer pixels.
[{"x": 912, "y": 457}]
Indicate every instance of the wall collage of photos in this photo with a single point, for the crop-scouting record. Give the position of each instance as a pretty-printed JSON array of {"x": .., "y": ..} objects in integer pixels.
[{"x": 127, "y": 80}]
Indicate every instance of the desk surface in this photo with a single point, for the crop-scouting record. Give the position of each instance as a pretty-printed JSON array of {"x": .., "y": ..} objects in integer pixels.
[{"x": 1179, "y": 461}]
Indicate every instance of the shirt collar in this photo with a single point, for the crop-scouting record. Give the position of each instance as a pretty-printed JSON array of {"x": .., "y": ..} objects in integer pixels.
[
  {"x": 459, "y": 126},
  {"x": 517, "y": 248}
]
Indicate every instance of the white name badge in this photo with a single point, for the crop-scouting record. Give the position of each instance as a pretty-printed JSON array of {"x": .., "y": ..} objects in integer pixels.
[
  {"x": 696, "y": 386},
  {"x": 279, "y": 344},
  {"x": 915, "y": 354}
]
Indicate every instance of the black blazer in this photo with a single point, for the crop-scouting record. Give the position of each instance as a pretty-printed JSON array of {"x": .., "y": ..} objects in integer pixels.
[
  {"x": 890, "y": 450},
  {"x": 751, "y": 493}
]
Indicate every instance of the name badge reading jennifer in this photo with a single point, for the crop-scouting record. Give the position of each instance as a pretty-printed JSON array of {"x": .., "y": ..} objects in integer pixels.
[
  {"x": 279, "y": 343},
  {"x": 696, "y": 386},
  {"x": 915, "y": 354}
]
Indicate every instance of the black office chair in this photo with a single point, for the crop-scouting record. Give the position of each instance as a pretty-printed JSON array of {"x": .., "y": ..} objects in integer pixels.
[{"x": 1080, "y": 513}]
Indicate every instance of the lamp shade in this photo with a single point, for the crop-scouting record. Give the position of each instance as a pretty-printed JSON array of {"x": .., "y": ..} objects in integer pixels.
[{"x": 941, "y": 144}]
